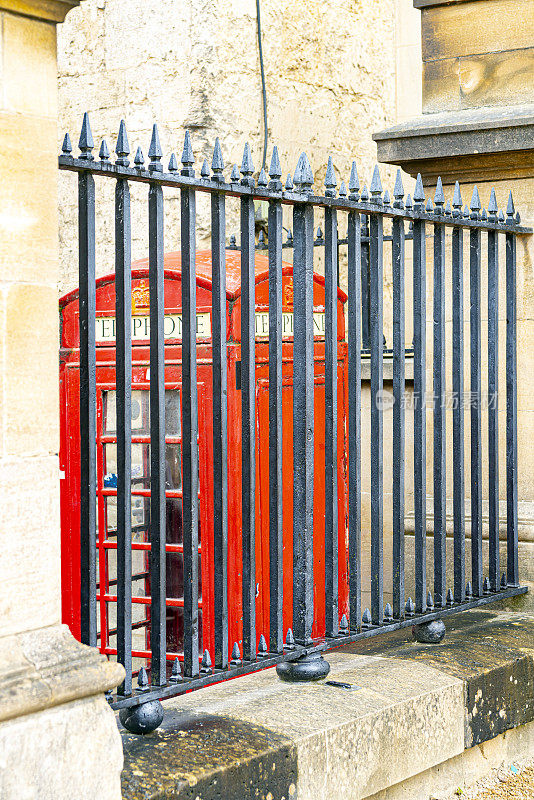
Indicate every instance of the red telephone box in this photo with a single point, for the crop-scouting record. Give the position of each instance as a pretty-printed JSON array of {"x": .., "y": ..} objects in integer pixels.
[{"x": 107, "y": 454}]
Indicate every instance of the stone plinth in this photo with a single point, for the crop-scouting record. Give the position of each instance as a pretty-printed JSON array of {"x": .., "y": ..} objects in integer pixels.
[{"x": 58, "y": 737}]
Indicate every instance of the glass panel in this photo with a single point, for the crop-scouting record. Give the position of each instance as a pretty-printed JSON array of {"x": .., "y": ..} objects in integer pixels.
[
  {"x": 141, "y": 466},
  {"x": 141, "y": 412},
  {"x": 175, "y": 576}
]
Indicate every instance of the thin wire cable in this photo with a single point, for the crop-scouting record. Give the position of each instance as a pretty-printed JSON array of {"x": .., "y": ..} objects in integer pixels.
[{"x": 263, "y": 89}]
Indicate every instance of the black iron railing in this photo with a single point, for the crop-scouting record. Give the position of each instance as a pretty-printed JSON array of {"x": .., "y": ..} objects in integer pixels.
[{"x": 299, "y": 657}]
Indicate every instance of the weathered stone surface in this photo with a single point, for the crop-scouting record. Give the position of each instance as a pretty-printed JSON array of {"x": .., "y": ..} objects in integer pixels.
[
  {"x": 475, "y": 763},
  {"x": 390, "y": 726},
  {"x": 330, "y": 83},
  {"x": 70, "y": 751},
  {"x": 47, "y": 667},
  {"x": 493, "y": 652},
  {"x": 198, "y": 755}
]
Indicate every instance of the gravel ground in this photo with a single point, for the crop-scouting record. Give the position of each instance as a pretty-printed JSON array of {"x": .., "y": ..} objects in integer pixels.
[{"x": 509, "y": 782}]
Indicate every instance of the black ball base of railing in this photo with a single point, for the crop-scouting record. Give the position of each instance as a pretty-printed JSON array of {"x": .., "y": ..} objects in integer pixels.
[
  {"x": 142, "y": 719},
  {"x": 429, "y": 632},
  {"x": 310, "y": 667}
]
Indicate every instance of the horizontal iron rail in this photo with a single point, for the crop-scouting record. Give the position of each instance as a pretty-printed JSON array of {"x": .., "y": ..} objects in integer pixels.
[
  {"x": 107, "y": 170},
  {"x": 271, "y": 660}
]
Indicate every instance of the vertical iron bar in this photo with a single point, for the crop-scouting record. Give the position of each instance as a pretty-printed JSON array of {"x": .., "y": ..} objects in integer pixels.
[
  {"x": 220, "y": 436},
  {"x": 123, "y": 305},
  {"x": 377, "y": 347},
  {"x": 190, "y": 485},
  {"x": 365, "y": 283},
  {"x": 303, "y": 423},
  {"x": 86, "y": 221},
  {"x": 331, "y": 490},
  {"x": 440, "y": 494},
  {"x": 276, "y": 543},
  {"x": 354, "y": 321},
  {"x": 398, "y": 237},
  {"x": 419, "y": 392},
  {"x": 493, "y": 407},
  {"x": 248, "y": 422},
  {"x": 476, "y": 414},
  {"x": 458, "y": 412},
  {"x": 511, "y": 413},
  {"x": 158, "y": 611}
]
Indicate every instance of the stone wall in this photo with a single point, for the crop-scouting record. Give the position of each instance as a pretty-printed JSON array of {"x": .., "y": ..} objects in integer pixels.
[{"x": 330, "y": 75}]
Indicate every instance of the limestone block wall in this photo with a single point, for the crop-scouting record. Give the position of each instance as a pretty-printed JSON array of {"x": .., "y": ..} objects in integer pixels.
[{"x": 330, "y": 75}]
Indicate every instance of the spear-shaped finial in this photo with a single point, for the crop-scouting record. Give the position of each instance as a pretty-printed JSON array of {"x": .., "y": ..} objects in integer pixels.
[
  {"x": 247, "y": 167},
  {"x": 205, "y": 665},
  {"x": 376, "y": 187},
  {"x": 457, "y": 201},
  {"x": 342, "y": 189},
  {"x": 429, "y": 600},
  {"x": 475, "y": 204},
  {"x": 85, "y": 142},
  {"x": 354, "y": 183},
  {"x": 364, "y": 197},
  {"x": 448, "y": 209},
  {"x": 510, "y": 208},
  {"x": 344, "y": 625},
  {"x": 176, "y": 672},
  {"x": 205, "y": 169},
  {"x": 235, "y": 658},
  {"x": 290, "y": 640},
  {"x": 500, "y": 215},
  {"x": 188, "y": 159},
  {"x": 387, "y": 198},
  {"x": 217, "y": 163},
  {"x": 429, "y": 206},
  {"x": 275, "y": 172},
  {"x": 439, "y": 197},
  {"x": 139, "y": 160},
  {"x": 234, "y": 175},
  {"x": 262, "y": 647},
  {"x": 409, "y": 203},
  {"x": 173, "y": 163},
  {"x": 103, "y": 153},
  {"x": 450, "y": 598},
  {"x": 122, "y": 148},
  {"x": 155, "y": 153},
  {"x": 303, "y": 177},
  {"x": 263, "y": 180},
  {"x": 289, "y": 183},
  {"x": 398, "y": 191},
  {"x": 493, "y": 208},
  {"x": 366, "y": 618},
  {"x": 419, "y": 193},
  {"x": 484, "y": 215},
  {"x": 330, "y": 181},
  {"x": 388, "y": 613},
  {"x": 66, "y": 147},
  {"x": 142, "y": 681},
  {"x": 410, "y": 607}
]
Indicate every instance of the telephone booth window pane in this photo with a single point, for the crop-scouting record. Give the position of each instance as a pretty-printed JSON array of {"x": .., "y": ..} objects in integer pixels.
[
  {"x": 141, "y": 412},
  {"x": 141, "y": 466}
]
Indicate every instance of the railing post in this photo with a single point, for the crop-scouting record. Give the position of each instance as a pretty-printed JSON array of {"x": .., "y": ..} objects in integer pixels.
[{"x": 310, "y": 667}]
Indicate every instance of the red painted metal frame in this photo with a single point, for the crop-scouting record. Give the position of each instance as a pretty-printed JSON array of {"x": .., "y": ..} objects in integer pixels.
[{"x": 70, "y": 449}]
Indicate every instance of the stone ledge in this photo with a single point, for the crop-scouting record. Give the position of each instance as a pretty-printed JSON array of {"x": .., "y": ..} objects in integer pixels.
[
  {"x": 256, "y": 737},
  {"x": 428, "y": 3},
  {"x": 48, "y": 667},
  {"x": 48, "y": 10},
  {"x": 473, "y": 143}
]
